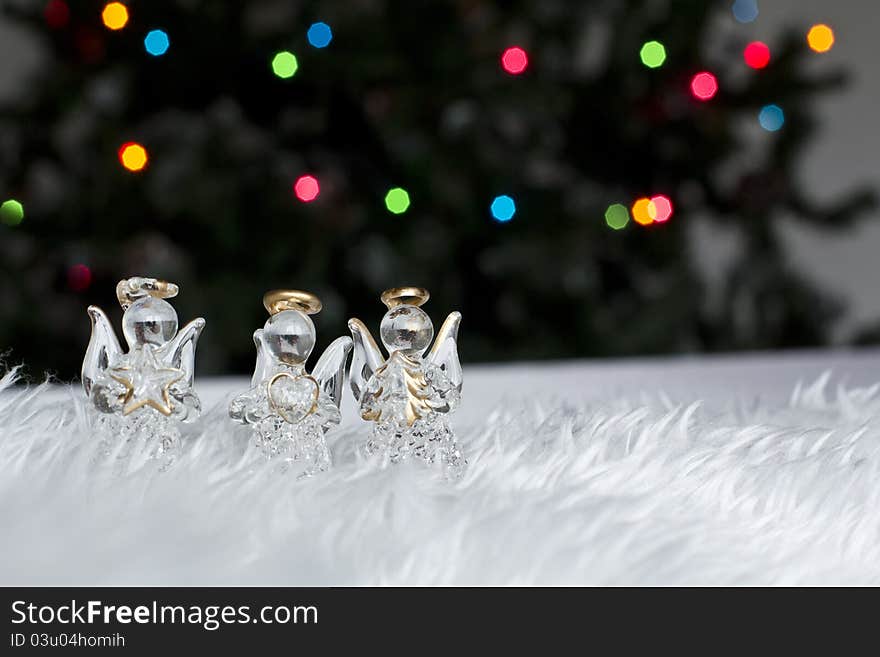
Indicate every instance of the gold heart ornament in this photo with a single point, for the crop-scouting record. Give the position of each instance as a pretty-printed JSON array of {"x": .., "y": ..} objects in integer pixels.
[{"x": 293, "y": 397}]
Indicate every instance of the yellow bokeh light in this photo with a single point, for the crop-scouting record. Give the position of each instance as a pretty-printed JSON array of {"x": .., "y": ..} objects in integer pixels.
[
  {"x": 821, "y": 38},
  {"x": 133, "y": 156},
  {"x": 644, "y": 211},
  {"x": 115, "y": 15}
]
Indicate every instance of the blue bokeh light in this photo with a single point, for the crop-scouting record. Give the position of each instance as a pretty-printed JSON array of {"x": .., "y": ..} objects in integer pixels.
[
  {"x": 745, "y": 11},
  {"x": 320, "y": 35},
  {"x": 156, "y": 42},
  {"x": 771, "y": 117},
  {"x": 503, "y": 208}
]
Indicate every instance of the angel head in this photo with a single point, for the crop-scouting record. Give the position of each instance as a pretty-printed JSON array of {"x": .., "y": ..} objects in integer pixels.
[
  {"x": 406, "y": 327},
  {"x": 289, "y": 334},
  {"x": 148, "y": 318}
]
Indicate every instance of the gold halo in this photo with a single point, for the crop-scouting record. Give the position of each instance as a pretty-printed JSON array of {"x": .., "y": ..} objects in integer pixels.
[
  {"x": 409, "y": 296},
  {"x": 152, "y": 287},
  {"x": 277, "y": 300}
]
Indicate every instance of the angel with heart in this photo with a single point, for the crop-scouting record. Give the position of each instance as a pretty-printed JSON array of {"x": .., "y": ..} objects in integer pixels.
[{"x": 290, "y": 410}]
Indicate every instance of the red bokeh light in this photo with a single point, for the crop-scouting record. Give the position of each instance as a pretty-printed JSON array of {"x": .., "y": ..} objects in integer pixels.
[
  {"x": 90, "y": 45},
  {"x": 757, "y": 54},
  {"x": 514, "y": 60},
  {"x": 662, "y": 208},
  {"x": 57, "y": 14},
  {"x": 79, "y": 277},
  {"x": 306, "y": 188},
  {"x": 704, "y": 86}
]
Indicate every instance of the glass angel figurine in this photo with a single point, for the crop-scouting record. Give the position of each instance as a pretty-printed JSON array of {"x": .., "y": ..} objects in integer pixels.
[
  {"x": 139, "y": 397},
  {"x": 409, "y": 396},
  {"x": 289, "y": 409}
]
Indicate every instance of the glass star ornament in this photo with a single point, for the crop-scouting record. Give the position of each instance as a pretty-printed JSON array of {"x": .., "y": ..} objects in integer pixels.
[
  {"x": 410, "y": 395},
  {"x": 289, "y": 410},
  {"x": 138, "y": 398}
]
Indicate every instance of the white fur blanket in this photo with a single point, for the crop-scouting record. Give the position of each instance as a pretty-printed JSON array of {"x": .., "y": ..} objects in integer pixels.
[{"x": 721, "y": 471}]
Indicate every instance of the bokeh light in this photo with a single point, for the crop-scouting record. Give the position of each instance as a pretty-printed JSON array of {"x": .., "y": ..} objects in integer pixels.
[
  {"x": 662, "y": 206},
  {"x": 306, "y": 188},
  {"x": 57, "y": 14},
  {"x": 704, "y": 86},
  {"x": 514, "y": 60},
  {"x": 771, "y": 117},
  {"x": 821, "y": 38},
  {"x": 284, "y": 64},
  {"x": 653, "y": 54},
  {"x": 643, "y": 211},
  {"x": 503, "y": 208},
  {"x": 90, "y": 44},
  {"x": 133, "y": 156},
  {"x": 397, "y": 200},
  {"x": 757, "y": 54},
  {"x": 11, "y": 212},
  {"x": 156, "y": 42},
  {"x": 79, "y": 278},
  {"x": 115, "y": 15},
  {"x": 320, "y": 35},
  {"x": 745, "y": 11},
  {"x": 617, "y": 216}
]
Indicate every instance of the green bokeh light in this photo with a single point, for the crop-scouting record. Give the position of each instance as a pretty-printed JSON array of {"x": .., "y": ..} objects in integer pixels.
[
  {"x": 617, "y": 216},
  {"x": 653, "y": 54},
  {"x": 11, "y": 212},
  {"x": 397, "y": 200},
  {"x": 284, "y": 64}
]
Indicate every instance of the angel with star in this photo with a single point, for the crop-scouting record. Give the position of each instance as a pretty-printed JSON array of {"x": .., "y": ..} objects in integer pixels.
[{"x": 138, "y": 398}]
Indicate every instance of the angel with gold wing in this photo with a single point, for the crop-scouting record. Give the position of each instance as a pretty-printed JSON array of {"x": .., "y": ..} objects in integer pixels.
[
  {"x": 409, "y": 395},
  {"x": 138, "y": 398},
  {"x": 289, "y": 409}
]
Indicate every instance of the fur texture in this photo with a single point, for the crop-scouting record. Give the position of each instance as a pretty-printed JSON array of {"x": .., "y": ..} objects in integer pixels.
[{"x": 611, "y": 488}]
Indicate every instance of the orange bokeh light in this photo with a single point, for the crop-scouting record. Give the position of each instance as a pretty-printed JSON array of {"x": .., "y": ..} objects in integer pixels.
[
  {"x": 115, "y": 15},
  {"x": 820, "y": 37},
  {"x": 644, "y": 211},
  {"x": 133, "y": 156}
]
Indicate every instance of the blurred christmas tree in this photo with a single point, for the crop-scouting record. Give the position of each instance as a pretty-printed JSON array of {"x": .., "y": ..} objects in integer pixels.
[{"x": 394, "y": 93}]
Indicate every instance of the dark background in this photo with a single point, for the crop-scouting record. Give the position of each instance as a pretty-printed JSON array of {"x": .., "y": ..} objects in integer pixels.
[{"x": 411, "y": 94}]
